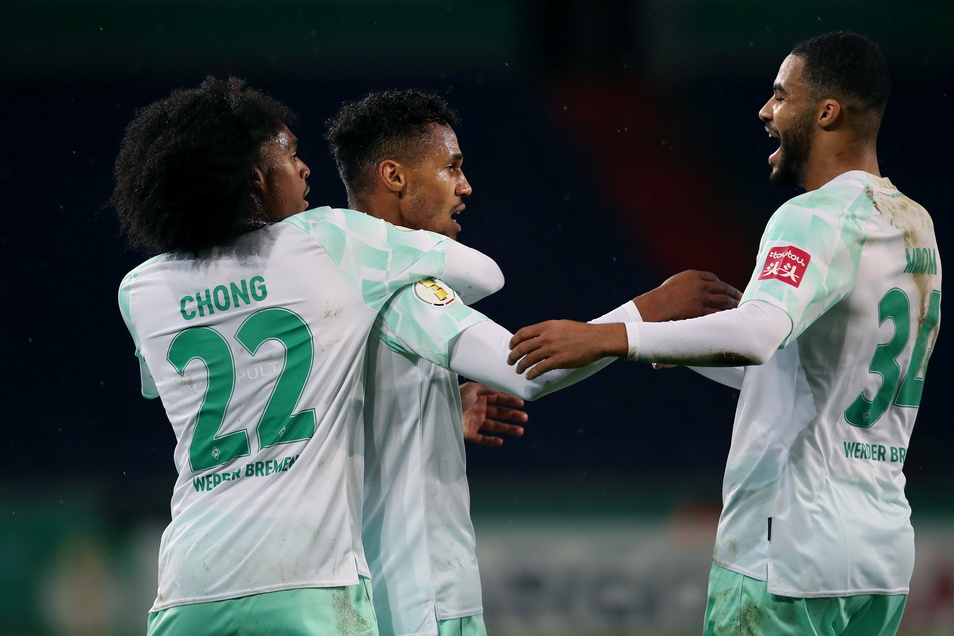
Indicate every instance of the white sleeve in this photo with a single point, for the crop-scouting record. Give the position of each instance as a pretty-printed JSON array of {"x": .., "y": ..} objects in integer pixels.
[
  {"x": 749, "y": 334},
  {"x": 480, "y": 354},
  {"x": 472, "y": 274},
  {"x": 626, "y": 312},
  {"x": 729, "y": 376}
]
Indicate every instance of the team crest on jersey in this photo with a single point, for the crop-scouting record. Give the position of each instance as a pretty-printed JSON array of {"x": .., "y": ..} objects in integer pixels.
[
  {"x": 787, "y": 264},
  {"x": 434, "y": 292}
]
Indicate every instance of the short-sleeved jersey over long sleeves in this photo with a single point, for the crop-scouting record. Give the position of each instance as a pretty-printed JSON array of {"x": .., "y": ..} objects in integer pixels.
[
  {"x": 814, "y": 492},
  {"x": 257, "y": 352}
]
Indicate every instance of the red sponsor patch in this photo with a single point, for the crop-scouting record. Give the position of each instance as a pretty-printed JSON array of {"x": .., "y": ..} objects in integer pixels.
[{"x": 787, "y": 264}]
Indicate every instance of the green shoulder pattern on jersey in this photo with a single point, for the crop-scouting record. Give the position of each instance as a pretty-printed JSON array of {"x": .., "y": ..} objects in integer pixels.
[
  {"x": 375, "y": 257},
  {"x": 410, "y": 323},
  {"x": 148, "y": 385},
  {"x": 828, "y": 223}
]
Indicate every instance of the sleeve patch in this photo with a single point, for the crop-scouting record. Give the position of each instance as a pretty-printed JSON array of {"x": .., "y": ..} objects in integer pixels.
[
  {"x": 787, "y": 264},
  {"x": 434, "y": 292}
]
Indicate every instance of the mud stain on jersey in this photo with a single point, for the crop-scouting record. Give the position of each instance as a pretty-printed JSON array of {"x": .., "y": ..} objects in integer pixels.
[
  {"x": 347, "y": 618},
  {"x": 917, "y": 231},
  {"x": 751, "y": 617}
]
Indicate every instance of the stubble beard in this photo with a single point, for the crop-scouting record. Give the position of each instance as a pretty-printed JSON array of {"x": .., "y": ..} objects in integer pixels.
[{"x": 798, "y": 146}]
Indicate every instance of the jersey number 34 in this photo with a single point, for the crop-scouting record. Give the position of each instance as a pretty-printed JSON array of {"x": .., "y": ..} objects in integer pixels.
[{"x": 906, "y": 391}]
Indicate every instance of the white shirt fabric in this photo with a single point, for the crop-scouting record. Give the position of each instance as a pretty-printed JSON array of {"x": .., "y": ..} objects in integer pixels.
[
  {"x": 257, "y": 352},
  {"x": 814, "y": 491},
  {"x": 418, "y": 534}
]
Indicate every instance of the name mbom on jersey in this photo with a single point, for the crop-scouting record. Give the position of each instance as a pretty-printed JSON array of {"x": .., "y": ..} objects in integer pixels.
[
  {"x": 223, "y": 297},
  {"x": 920, "y": 260}
]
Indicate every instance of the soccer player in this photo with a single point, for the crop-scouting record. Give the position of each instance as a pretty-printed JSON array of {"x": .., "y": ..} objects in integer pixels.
[
  {"x": 840, "y": 316},
  {"x": 399, "y": 157},
  {"x": 252, "y": 325}
]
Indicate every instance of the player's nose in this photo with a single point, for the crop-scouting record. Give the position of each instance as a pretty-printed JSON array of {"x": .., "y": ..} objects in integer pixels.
[{"x": 463, "y": 187}]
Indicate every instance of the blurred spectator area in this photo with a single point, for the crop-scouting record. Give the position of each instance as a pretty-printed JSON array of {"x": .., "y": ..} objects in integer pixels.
[{"x": 610, "y": 144}]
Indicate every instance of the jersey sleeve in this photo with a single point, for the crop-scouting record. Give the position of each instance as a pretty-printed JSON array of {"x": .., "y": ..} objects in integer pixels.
[
  {"x": 147, "y": 383},
  {"x": 809, "y": 255},
  {"x": 480, "y": 353},
  {"x": 423, "y": 319},
  {"x": 378, "y": 258}
]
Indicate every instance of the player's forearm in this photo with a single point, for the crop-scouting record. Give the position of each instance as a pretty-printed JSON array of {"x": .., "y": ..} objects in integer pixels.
[
  {"x": 480, "y": 353},
  {"x": 744, "y": 336}
]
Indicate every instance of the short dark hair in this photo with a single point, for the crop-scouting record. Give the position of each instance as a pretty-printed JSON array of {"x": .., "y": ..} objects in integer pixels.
[
  {"x": 848, "y": 67},
  {"x": 382, "y": 125},
  {"x": 183, "y": 174}
]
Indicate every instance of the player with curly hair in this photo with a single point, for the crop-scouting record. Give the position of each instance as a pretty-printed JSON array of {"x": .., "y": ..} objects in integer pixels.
[{"x": 251, "y": 325}]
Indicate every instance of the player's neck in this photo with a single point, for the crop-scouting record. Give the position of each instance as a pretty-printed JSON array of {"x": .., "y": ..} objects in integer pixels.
[
  {"x": 826, "y": 164},
  {"x": 376, "y": 207}
]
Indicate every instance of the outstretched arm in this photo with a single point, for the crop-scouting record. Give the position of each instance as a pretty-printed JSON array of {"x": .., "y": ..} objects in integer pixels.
[
  {"x": 688, "y": 294},
  {"x": 484, "y": 408},
  {"x": 747, "y": 335}
]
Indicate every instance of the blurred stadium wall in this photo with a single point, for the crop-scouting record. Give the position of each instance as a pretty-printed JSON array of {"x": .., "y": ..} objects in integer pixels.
[{"x": 610, "y": 144}]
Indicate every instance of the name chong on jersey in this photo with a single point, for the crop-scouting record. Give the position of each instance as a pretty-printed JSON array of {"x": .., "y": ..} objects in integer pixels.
[{"x": 223, "y": 297}]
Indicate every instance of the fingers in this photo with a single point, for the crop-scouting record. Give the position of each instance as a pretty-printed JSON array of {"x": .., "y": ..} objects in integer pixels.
[
  {"x": 502, "y": 428},
  {"x": 541, "y": 368},
  {"x": 703, "y": 275},
  {"x": 534, "y": 356},
  {"x": 504, "y": 398},
  {"x": 477, "y": 388},
  {"x": 504, "y": 413},
  {"x": 485, "y": 440},
  {"x": 520, "y": 348},
  {"x": 498, "y": 428},
  {"x": 523, "y": 336}
]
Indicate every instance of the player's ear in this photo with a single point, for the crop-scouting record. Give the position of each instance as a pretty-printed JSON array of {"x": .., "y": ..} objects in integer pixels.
[
  {"x": 391, "y": 175},
  {"x": 828, "y": 113},
  {"x": 257, "y": 180}
]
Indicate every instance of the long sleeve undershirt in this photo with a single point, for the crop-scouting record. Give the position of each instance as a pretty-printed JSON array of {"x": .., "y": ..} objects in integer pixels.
[
  {"x": 472, "y": 274},
  {"x": 480, "y": 354},
  {"x": 747, "y": 335}
]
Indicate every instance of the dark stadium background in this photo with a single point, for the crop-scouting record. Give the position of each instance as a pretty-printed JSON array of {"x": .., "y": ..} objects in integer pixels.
[{"x": 610, "y": 144}]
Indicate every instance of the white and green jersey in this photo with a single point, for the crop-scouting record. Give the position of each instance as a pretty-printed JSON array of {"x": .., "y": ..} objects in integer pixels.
[
  {"x": 814, "y": 493},
  {"x": 258, "y": 353},
  {"x": 418, "y": 534}
]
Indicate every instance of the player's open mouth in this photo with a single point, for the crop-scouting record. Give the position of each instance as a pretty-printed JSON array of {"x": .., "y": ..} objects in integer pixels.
[
  {"x": 455, "y": 212},
  {"x": 776, "y": 140}
]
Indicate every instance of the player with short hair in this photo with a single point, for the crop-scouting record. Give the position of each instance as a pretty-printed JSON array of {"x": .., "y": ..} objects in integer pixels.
[
  {"x": 399, "y": 157},
  {"x": 840, "y": 319},
  {"x": 252, "y": 327}
]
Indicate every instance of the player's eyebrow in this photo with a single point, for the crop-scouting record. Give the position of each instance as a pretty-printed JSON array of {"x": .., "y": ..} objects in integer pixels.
[
  {"x": 778, "y": 88},
  {"x": 457, "y": 157}
]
